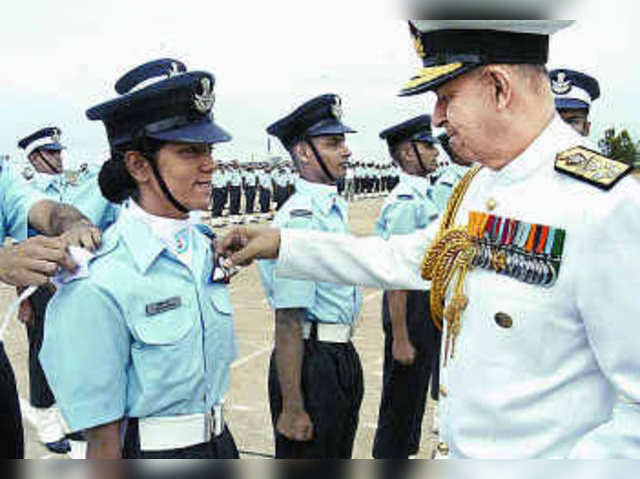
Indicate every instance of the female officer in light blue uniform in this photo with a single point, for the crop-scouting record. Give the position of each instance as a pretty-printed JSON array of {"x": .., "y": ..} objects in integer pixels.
[
  {"x": 411, "y": 340},
  {"x": 154, "y": 330}
]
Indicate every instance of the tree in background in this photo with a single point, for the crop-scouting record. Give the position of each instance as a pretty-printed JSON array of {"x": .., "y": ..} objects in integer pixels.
[{"x": 619, "y": 146}]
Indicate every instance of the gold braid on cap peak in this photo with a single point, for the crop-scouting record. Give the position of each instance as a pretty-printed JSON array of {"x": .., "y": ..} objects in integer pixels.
[{"x": 450, "y": 254}]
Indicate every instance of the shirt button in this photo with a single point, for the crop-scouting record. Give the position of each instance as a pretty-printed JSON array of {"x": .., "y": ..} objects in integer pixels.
[
  {"x": 492, "y": 204},
  {"x": 503, "y": 320},
  {"x": 444, "y": 392}
]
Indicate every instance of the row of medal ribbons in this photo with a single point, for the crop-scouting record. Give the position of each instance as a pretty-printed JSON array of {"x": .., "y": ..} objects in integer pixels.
[{"x": 528, "y": 252}]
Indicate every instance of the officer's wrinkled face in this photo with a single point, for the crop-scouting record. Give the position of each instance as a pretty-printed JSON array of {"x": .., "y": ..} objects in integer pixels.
[
  {"x": 578, "y": 120},
  {"x": 335, "y": 154},
  {"x": 466, "y": 108},
  {"x": 187, "y": 169}
]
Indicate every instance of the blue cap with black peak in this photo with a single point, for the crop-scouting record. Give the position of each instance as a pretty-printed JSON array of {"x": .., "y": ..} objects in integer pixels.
[
  {"x": 573, "y": 90},
  {"x": 415, "y": 129},
  {"x": 43, "y": 139},
  {"x": 319, "y": 116},
  {"x": 163, "y": 101}
]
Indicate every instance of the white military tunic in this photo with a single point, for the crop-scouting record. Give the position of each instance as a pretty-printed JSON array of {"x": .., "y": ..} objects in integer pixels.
[{"x": 547, "y": 386}]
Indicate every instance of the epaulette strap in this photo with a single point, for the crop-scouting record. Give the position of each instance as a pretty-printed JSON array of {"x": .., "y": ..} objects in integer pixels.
[
  {"x": 300, "y": 213},
  {"x": 591, "y": 167}
]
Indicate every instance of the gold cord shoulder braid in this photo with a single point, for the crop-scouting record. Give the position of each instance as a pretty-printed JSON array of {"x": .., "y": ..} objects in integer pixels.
[{"x": 450, "y": 254}]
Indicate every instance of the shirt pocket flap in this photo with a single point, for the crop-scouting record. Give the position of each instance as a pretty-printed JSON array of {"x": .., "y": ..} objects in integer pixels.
[
  {"x": 221, "y": 301},
  {"x": 165, "y": 328}
]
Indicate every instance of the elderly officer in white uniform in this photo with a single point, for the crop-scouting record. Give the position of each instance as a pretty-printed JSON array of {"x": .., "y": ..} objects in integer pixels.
[{"x": 541, "y": 331}]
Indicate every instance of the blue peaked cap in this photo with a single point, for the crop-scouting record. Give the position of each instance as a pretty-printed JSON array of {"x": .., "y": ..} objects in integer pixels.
[
  {"x": 176, "y": 105},
  {"x": 415, "y": 129},
  {"x": 43, "y": 139},
  {"x": 320, "y": 116},
  {"x": 573, "y": 90}
]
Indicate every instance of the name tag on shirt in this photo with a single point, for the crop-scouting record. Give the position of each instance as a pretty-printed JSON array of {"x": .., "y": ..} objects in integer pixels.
[{"x": 163, "y": 306}]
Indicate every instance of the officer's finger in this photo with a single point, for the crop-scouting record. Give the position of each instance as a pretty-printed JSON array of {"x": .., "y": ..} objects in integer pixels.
[
  {"x": 245, "y": 256},
  {"x": 31, "y": 278}
]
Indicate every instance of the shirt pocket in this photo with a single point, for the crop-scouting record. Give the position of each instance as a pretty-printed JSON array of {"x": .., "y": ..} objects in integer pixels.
[{"x": 165, "y": 328}]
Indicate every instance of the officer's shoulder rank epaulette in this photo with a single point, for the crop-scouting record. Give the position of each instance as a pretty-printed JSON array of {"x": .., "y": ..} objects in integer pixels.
[
  {"x": 405, "y": 196},
  {"x": 300, "y": 213},
  {"x": 591, "y": 167}
]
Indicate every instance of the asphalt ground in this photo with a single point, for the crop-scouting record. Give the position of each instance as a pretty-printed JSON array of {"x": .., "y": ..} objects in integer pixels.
[{"x": 247, "y": 406}]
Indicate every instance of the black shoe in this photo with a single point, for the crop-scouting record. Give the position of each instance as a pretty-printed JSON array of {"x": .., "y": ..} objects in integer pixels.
[{"x": 61, "y": 446}]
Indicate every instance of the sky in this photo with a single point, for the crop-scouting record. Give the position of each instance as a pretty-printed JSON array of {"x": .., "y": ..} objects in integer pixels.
[{"x": 59, "y": 58}]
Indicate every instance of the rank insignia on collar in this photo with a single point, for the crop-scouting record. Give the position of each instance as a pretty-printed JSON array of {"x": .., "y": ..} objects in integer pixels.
[
  {"x": 591, "y": 167},
  {"x": 530, "y": 253}
]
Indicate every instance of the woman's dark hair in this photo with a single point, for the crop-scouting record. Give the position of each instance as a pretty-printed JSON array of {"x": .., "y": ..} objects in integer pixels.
[{"x": 116, "y": 184}]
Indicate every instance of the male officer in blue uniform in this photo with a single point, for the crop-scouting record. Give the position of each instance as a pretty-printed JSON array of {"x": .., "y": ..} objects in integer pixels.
[
  {"x": 249, "y": 182},
  {"x": 31, "y": 262},
  {"x": 265, "y": 185},
  {"x": 315, "y": 379},
  {"x": 220, "y": 185},
  {"x": 574, "y": 93},
  {"x": 44, "y": 152},
  {"x": 411, "y": 339},
  {"x": 235, "y": 190}
]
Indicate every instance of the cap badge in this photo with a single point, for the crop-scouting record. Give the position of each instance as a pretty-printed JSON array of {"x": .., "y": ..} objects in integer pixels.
[
  {"x": 55, "y": 136},
  {"x": 336, "y": 108},
  {"x": 204, "y": 101},
  {"x": 174, "y": 70},
  {"x": 561, "y": 85}
]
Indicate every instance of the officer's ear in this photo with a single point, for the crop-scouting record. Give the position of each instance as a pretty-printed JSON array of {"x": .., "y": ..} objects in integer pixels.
[
  {"x": 302, "y": 153},
  {"x": 137, "y": 166},
  {"x": 587, "y": 128},
  {"x": 500, "y": 80}
]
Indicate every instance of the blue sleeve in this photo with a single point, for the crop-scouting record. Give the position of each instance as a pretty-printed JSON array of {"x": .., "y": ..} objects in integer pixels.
[
  {"x": 17, "y": 198},
  {"x": 292, "y": 293},
  {"x": 89, "y": 201},
  {"x": 399, "y": 218},
  {"x": 85, "y": 355}
]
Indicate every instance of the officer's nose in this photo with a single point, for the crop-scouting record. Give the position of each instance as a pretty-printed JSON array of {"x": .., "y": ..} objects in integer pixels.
[{"x": 439, "y": 114}]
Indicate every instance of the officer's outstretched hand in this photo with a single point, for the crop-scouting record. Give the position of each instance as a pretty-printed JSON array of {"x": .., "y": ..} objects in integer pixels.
[
  {"x": 245, "y": 243},
  {"x": 34, "y": 261},
  {"x": 295, "y": 426}
]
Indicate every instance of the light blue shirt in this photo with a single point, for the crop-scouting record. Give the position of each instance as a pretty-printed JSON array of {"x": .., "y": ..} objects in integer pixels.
[
  {"x": 235, "y": 178},
  {"x": 280, "y": 178},
  {"x": 407, "y": 208},
  {"x": 250, "y": 178},
  {"x": 264, "y": 179},
  {"x": 16, "y": 199},
  {"x": 86, "y": 197},
  {"x": 220, "y": 179},
  {"x": 53, "y": 187},
  {"x": 313, "y": 207},
  {"x": 444, "y": 185},
  {"x": 111, "y": 351}
]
